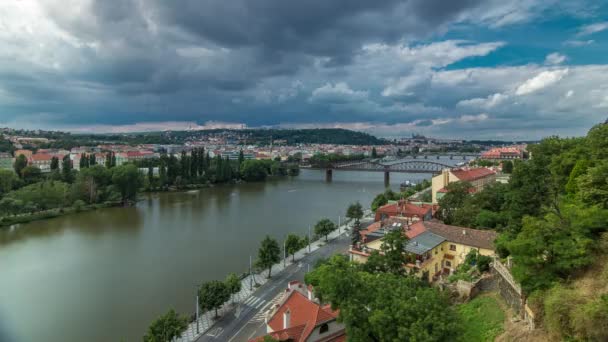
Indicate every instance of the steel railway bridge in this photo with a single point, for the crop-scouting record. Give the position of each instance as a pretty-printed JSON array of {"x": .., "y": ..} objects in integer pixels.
[{"x": 400, "y": 166}]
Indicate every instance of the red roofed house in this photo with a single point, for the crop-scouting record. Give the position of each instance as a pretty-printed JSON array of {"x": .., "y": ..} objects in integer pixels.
[
  {"x": 407, "y": 209},
  {"x": 43, "y": 161},
  {"x": 478, "y": 177},
  {"x": 503, "y": 153},
  {"x": 299, "y": 317}
]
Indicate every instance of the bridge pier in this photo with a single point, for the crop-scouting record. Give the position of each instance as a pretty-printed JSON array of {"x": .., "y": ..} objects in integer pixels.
[
  {"x": 437, "y": 157},
  {"x": 451, "y": 157},
  {"x": 464, "y": 157},
  {"x": 387, "y": 179},
  {"x": 426, "y": 157},
  {"x": 329, "y": 175}
]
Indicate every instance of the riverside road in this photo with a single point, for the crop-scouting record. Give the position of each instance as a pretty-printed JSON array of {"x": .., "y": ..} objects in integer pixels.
[{"x": 247, "y": 321}]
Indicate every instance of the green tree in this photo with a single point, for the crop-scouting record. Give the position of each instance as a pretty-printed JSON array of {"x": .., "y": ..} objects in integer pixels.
[
  {"x": 268, "y": 254},
  {"x": 293, "y": 243},
  {"x": 393, "y": 250},
  {"x": 554, "y": 246},
  {"x": 92, "y": 160},
  {"x": 233, "y": 283},
  {"x": 379, "y": 201},
  {"x": 166, "y": 328},
  {"x": 54, "y": 164},
  {"x": 31, "y": 174},
  {"x": 593, "y": 186},
  {"x": 8, "y": 181},
  {"x": 453, "y": 200},
  {"x": 355, "y": 212},
  {"x": 162, "y": 170},
  {"x": 253, "y": 170},
  {"x": 416, "y": 312},
  {"x": 66, "y": 169},
  {"x": 20, "y": 164},
  {"x": 84, "y": 161},
  {"x": 212, "y": 295},
  {"x": 128, "y": 180},
  {"x": 507, "y": 166},
  {"x": 374, "y": 153},
  {"x": 150, "y": 177},
  {"x": 324, "y": 227}
]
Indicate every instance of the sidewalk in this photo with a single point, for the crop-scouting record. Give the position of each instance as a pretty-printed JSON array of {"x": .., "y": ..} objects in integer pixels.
[{"x": 206, "y": 320}]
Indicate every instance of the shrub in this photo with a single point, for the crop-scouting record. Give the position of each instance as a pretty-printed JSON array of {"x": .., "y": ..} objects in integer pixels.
[
  {"x": 483, "y": 263},
  {"x": 78, "y": 205},
  {"x": 560, "y": 302}
]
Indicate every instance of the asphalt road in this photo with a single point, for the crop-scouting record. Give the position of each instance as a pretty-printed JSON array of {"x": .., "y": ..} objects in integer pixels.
[{"x": 247, "y": 321}]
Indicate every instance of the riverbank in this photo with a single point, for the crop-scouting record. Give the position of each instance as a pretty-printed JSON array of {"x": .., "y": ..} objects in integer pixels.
[{"x": 8, "y": 221}]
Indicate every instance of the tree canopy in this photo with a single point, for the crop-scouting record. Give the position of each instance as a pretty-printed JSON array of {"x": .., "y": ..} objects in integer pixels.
[
  {"x": 324, "y": 227},
  {"x": 268, "y": 254},
  {"x": 166, "y": 328}
]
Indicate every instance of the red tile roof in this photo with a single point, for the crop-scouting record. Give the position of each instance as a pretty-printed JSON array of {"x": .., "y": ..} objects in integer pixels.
[
  {"x": 304, "y": 314},
  {"x": 462, "y": 235},
  {"x": 403, "y": 208},
  {"x": 472, "y": 174}
]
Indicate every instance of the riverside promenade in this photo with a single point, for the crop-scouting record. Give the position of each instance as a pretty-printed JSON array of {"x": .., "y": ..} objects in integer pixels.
[{"x": 249, "y": 303}]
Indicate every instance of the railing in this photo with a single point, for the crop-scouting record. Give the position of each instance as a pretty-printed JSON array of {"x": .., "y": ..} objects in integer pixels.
[{"x": 506, "y": 274}]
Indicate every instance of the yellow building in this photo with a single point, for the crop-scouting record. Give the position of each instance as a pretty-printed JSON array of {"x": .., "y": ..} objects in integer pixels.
[
  {"x": 478, "y": 177},
  {"x": 435, "y": 249}
]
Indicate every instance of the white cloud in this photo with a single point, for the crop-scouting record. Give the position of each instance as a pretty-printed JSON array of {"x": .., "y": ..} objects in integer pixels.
[
  {"x": 540, "y": 81},
  {"x": 555, "y": 58},
  {"x": 569, "y": 93},
  {"x": 487, "y": 103},
  {"x": 420, "y": 61},
  {"x": 337, "y": 93},
  {"x": 593, "y": 28},
  {"x": 577, "y": 43},
  {"x": 474, "y": 118}
]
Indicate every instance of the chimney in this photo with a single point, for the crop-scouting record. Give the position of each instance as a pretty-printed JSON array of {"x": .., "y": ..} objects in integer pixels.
[
  {"x": 286, "y": 317},
  {"x": 464, "y": 232},
  {"x": 310, "y": 295}
]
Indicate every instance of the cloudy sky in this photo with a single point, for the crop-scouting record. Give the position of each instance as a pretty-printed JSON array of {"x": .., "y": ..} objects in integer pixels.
[{"x": 500, "y": 69}]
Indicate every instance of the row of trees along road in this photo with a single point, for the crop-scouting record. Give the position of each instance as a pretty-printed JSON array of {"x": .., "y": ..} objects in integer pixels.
[
  {"x": 213, "y": 294},
  {"x": 553, "y": 221}
]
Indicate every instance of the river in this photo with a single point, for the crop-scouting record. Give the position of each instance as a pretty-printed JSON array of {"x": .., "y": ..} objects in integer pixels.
[{"x": 105, "y": 275}]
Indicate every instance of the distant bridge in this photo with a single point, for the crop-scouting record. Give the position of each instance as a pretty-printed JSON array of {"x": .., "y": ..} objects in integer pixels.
[{"x": 400, "y": 166}]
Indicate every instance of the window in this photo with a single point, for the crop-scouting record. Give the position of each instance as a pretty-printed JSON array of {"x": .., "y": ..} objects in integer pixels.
[
  {"x": 448, "y": 264},
  {"x": 452, "y": 247},
  {"x": 436, "y": 251},
  {"x": 324, "y": 328}
]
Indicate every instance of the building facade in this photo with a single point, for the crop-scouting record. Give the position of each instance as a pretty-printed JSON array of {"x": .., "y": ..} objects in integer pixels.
[{"x": 478, "y": 177}]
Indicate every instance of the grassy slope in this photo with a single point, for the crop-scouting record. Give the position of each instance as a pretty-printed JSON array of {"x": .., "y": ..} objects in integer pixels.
[{"x": 482, "y": 319}]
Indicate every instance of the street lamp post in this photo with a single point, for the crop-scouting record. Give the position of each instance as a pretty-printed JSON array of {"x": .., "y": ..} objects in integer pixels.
[
  {"x": 339, "y": 217},
  {"x": 284, "y": 252},
  {"x": 250, "y": 275},
  {"x": 197, "y": 319},
  {"x": 309, "y": 238}
]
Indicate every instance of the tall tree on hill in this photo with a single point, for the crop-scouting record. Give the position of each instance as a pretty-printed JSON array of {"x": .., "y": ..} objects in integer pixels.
[
  {"x": 194, "y": 163},
  {"x": 113, "y": 160},
  {"x": 219, "y": 169},
  {"x": 207, "y": 161},
  {"x": 185, "y": 166},
  {"x": 374, "y": 153},
  {"x": 84, "y": 161},
  {"x": 54, "y": 164},
  {"x": 227, "y": 170},
  {"x": 66, "y": 169},
  {"x": 201, "y": 161},
  {"x": 20, "y": 164},
  {"x": 172, "y": 169},
  {"x": 92, "y": 160},
  {"x": 241, "y": 160},
  {"x": 108, "y": 160},
  {"x": 162, "y": 170},
  {"x": 150, "y": 177}
]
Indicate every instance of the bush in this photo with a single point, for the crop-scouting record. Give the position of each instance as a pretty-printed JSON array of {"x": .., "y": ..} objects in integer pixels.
[
  {"x": 560, "y": 302},
  {"x": 483, "y": 263},
  {"x": 590, "y": 321},
  {"x": 78, "y": 205}
]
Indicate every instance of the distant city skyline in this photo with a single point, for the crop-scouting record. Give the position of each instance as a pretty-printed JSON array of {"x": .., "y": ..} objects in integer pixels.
[{"x": 501, "y": 70}]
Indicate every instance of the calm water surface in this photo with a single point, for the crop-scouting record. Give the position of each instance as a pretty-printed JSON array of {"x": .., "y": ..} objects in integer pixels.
[{"x": 105, "y": 275}]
